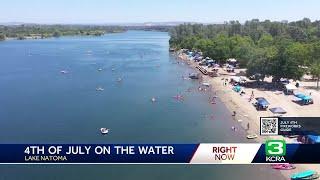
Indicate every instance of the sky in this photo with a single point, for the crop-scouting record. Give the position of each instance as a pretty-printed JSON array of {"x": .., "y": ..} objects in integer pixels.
[{"x": 139, "y": 11}]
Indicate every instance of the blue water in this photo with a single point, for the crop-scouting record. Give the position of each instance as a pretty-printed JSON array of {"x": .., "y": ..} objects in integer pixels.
[{"x": 38, "y": 104}]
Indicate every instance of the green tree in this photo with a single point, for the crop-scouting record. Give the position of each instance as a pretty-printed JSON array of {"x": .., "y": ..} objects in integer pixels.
[
  {"x": 315, "y": 71},
  {"x": 241, "y": 48},
  {"x": 287, "y": 63},
  {"x": 262, "y": 61},
  {"x": 2, "y": 37},
  {"x": 57, "y": 33},
  {"x": 266, "y": 40}
]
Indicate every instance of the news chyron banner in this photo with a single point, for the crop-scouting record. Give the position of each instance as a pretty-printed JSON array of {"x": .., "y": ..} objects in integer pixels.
[{"x": 272, "y": 151}]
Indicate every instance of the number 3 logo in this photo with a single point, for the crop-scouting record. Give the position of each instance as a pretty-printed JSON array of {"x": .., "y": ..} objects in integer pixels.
[{"x": 275, "y": 148}]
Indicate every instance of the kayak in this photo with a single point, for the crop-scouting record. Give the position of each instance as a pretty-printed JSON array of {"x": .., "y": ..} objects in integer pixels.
[
  {"x": 314, "y": 176},
  {"x": 252, "y": 136},
  {"x": 283, "y": 166},
  {"x": 303, "y": 175}
]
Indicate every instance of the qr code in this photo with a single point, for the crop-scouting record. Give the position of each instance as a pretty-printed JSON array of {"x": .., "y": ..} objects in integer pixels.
[{"x": 268, "y": 126}]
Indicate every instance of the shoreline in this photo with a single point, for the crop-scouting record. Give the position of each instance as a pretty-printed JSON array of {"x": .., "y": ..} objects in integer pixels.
[
  {"x": 244, "y": 112},
  {"x": 51, "y": 37}
]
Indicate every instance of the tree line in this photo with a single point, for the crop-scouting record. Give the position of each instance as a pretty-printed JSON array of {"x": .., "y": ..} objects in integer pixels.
[
  {"x": 44, "y": 31},
  {"x": 278, "y": 49}
]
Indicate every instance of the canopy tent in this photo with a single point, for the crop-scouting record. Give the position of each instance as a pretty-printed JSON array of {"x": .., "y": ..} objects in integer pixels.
[
  {"x": 314, "y": 139},
  {"x": 262, "y": 101},
  {"x": 306, "y": 98},
  {"x": 261, "y": 104},
  {"x": 290, "y": 87},
  {"x": 237, "y": 88},
  {"x": 230, "y": 66},
  {"x": 300, "y": 95},
  {"x": 231, "y": 60},
  {"x": 284, "y": 81},
  {"x": 238, "y": 79},
  {"x": 216, "y": 65},
  {"x": 278, "y": 110}
]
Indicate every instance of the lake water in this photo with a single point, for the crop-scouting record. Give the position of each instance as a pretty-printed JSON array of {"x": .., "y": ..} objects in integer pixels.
[{"x": 38, "y": 104}]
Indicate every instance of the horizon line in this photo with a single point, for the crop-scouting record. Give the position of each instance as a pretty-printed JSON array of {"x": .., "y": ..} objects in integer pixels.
[{"x": 141, "y": 23}]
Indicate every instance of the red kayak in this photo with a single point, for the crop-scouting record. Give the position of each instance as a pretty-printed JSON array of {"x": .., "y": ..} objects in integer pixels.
[{"x": 283, "y": 166}]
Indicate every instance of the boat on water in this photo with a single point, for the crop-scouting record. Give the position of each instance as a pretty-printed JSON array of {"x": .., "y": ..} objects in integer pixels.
[
  {"x": 104, "y": 130},
  {"x": 252, "y": 136},
  {"x": 206, "y": 84},
  {"x": 153, "y": 99},
  {"x": 283, "y": 166},
  {"x": 119, "y": 79},
  {"x": 194, "y": 76},
  {"x": 100, "y": 69},
  {"x": 178, "y": 97},
  {"x": 99, "y": 89},
  {"x": 64, "y": 72},
  {"x": 309, "y": 174}
]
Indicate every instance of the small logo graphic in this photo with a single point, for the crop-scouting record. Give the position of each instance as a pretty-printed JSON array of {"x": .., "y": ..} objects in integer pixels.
[{"x": 275, "y": 148}]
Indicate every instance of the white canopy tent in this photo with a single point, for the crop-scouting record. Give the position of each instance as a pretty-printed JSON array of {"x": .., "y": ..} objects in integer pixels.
[
  {"x": 231, "y": 60},
  {"x": 238, "y": 79},
  {"x": 289, "y": 88}
]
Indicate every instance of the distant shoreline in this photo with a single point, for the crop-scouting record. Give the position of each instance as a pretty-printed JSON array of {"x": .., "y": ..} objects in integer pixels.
[{"x": 49, "y": 37}]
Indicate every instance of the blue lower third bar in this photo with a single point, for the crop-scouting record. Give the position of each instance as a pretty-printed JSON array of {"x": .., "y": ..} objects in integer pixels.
[
  {"x": 96, "y": 153},
  {"x": 270, "y": 152}
]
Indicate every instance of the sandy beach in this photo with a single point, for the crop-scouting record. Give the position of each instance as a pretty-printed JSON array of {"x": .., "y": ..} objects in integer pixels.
[{"x": 247, "y": 113}]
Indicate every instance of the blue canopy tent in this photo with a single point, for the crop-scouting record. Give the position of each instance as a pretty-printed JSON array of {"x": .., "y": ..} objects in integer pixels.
[
  {"x": 299, "y": 95},
  {"x": 305, "y": 99},
  {"x": 262, "y": 103},
  {"x": 314, "y": 139},
  {"x": 210, "y": 62},
  {"x": 237, "y": 88}
]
